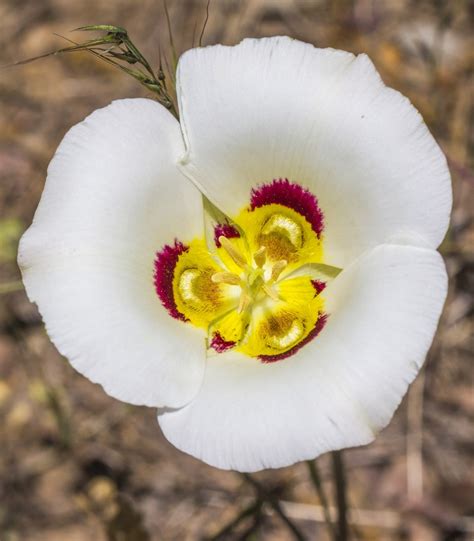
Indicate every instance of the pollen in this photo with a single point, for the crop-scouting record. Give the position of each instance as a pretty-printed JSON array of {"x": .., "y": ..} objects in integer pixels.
[{"x": 252, "y": 286}]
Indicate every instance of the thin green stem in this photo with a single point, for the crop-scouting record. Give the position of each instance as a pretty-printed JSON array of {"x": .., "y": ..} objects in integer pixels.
[
  {"x": 318, "y": 485},
  {"x": 170, "y": 35},
  {"x": 205, "y": 23},
  {"x": 340, "y": 481},
  {"x": 117, "y": 49}
]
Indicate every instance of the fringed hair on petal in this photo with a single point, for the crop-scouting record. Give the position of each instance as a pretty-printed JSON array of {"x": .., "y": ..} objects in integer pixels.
[
  {"x": 225, "y": 230},
  {"x": 165, "y": 263},
  {"x": 219, "y": 344},
  {"x": 292, "y": 195}
]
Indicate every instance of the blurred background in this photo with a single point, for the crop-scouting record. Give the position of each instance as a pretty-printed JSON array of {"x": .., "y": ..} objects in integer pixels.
[{"x": 76, "y": 465}]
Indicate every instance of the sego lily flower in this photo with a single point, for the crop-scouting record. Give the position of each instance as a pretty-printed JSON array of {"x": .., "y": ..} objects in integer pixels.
[{"x": 265, "y": 271}]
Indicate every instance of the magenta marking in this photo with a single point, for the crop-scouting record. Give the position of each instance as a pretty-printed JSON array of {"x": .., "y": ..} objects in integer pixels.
[
  {"x": 219, "y": 344},
  {"x": 165, "y": 263},
  {"x": 292, "y": 195},
  {"x": 319, "y": 286},
  {"x": 225, "y": 230},
  {"x": 318, "y": 327}
]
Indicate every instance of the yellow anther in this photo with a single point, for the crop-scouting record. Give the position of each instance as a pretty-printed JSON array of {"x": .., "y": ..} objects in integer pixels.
[
  {"x": 243, "y": 302},
  {"x": 270, "y": 292},
  {"x": 260, "y": 256},
  {"x": 277, "y": 269},
  {"x": 237, "y": 257},
  {"x": 226, "y": 278}
]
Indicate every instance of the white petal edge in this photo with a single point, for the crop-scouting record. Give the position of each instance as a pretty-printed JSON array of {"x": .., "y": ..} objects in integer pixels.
[
  {"x": 113, "y": 197},
  {"x": 276, "y": 107},
  {"x": 336, "y": 392}
]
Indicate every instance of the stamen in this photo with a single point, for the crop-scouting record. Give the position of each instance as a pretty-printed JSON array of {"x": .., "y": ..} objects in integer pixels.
[
  {"x": 270, "y": 292},
  {"x": 226, "y": 278},
  {"x": 277, "y": 269},
  {"x": 243, "y": 302},
  {"x": 260, "y": 256},
  {"x": 237, "y": 257}
]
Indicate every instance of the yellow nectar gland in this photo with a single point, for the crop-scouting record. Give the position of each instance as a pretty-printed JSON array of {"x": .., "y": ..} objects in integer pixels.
[{"x": 245, "y": 293}]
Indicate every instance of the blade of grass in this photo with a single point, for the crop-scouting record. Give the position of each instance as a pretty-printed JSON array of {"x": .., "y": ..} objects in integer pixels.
[
  {"x": 205, "y": 23},
  {"x": 117, "y": 49},
  {"x": 318, "y": 485},
  {"x": 170, "y": 34}
]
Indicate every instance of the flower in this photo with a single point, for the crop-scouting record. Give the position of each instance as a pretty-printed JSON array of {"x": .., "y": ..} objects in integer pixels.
[{"x": 265, "y": 271}]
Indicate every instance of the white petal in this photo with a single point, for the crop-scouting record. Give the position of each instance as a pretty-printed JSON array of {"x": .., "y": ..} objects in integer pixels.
[
  {"x": 277, "y": 107},
  {"x": 340, "y": 389},
  {"x": 112, "y": 198}
]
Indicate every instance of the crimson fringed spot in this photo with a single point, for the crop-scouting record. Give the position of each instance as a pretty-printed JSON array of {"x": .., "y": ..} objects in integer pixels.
[
  {"x": 318, "y": 285},
  {"x": 219, "y": 344},
  {"x": 292, "y": 195},
  {"x": 165, "y": 263},
  {"x": 318, "y": 327},
  {"x": 225, "y": 230}
]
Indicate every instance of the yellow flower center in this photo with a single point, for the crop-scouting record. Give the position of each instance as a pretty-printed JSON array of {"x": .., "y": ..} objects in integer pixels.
[
  {"x": 255, "y": 284},
  {"x": 250, "y": 291}
]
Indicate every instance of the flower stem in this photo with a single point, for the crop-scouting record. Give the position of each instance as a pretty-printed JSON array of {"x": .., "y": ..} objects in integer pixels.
[
  {"x": 318, "y": 485},
  {"x": 340, "y": 481},
  {"x": 10, "y": 287},
  {"x": 275, "y": 504},
  {"x": 253, "y": 509}
]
